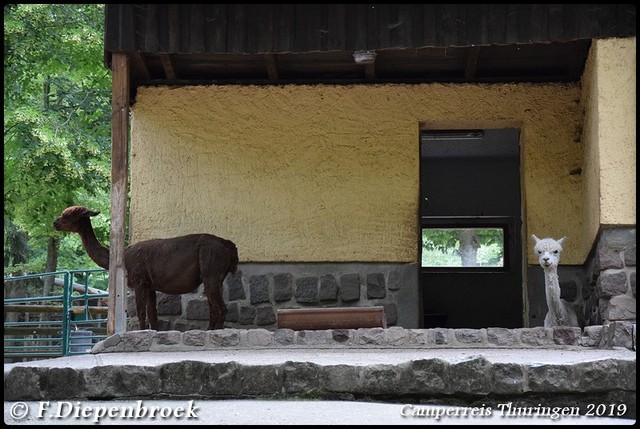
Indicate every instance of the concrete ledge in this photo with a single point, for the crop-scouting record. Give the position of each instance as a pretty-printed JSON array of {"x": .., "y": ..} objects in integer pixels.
[
  {"x": 616, "y": 334},
  {"x": 554, "y": 377}
]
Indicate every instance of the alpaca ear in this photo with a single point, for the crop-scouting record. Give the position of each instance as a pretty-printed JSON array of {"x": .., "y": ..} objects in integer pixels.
[
  {"x": 536, "y": 239},
  {"x": 86, "y": 212},
  {"x": 561, "y": 241}
]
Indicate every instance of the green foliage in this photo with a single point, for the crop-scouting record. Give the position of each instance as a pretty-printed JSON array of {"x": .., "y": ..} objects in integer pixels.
[{"x": 57, "y": 122}]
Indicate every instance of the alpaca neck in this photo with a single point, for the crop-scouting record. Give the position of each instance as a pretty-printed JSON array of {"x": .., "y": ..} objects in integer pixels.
[
  {"x": 96, "y": 251},
  {"x": 552, "y": 289}
]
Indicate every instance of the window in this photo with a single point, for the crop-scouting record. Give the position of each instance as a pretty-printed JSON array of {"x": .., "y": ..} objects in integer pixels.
[
  {"x": 466, "y": 243},
  {"x": 463, "y": 247}
]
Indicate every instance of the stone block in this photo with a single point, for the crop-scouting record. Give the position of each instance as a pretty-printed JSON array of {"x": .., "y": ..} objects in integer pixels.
[
  {"x": 601, "y": 375},
  {"x": 183, "y": 325},
  {"x": 373, "y": 336},
  {"x": 566, "y": 335},
  {"x": 396, "y": 336},
  {"x": 282, "y": 287},
  {"x": 391, "y": 312},
  {"x": 508, "y": 378},
  {"x": 299, "y": 377},
  {"x": 168, "y": 304},
  {"x": 609, "y": 259},
  {"x": 224, "y": 337},
  {"x": 501, "y": 337},
  {"x": 425, "y": 377},
  {"x": 394, "y": 280},
  {"x": 420, "y": 337},
  {"x": 621, "y": 307},
  {"x": 194, "y": 337},
  {"x": 618, "y": 238},
  {"x": 259, "y": 337},
  {"x": 379, "y": 378},
  {"x": 283, "y": 337},
  {"x": 235, "y": 288},
  {"x": 167, "y": 338},
  {"x": 309, "y": 337},
  {"x": 350, "y": 287},
  {"x": 197, "y": 309},
  {"x": 612, "y": 283},
  {"x": 246, "y": 315},
  {"x": 328, "y": 288},
  {"x": 534, "y": 336},
  {"x": 341, "y": 336},
  {"x": 550, "y": 378},
  {"x": 232, "y": 312},
  {"x": 265, "y": 316},
  {"x": 340, "y": 378},
  {"x": 440, "y": 336},
  {"x": 632, "y": 283},
  {"x": 617, "y": 334},
  {"x": 468, "y": 336},
  {"x": 259, "y": 289},
  {"x": 591, "y": 336},
  {"x": 472, "y": 376},
  {"x": 630, "y": 256},
  {"x": 307, "y": 290},
  {"x": 137, "y": 341},
  {"x": 376, "y": 287}
]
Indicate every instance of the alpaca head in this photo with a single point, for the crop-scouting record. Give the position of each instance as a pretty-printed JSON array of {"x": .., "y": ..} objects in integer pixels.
[
  {"x": 548, "y": 251},
  {"x": 73, "y": 219}
]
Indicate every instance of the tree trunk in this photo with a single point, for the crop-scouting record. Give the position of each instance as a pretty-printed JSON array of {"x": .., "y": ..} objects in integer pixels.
[
  {"x": 53, "y": 245},
  {"x": 468, "y": 247}
]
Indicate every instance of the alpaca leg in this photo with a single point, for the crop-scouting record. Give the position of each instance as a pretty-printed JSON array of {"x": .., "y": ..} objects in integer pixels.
[
  {"x": 141, "y": 307},
  {"x": 548, "y": 320},
  {"x": 217, "y": 306},
  {"x": 152, "y": 312}
]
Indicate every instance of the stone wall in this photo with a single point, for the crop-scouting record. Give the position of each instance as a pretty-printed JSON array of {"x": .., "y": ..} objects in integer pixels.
[
  {"x": 605, "y": 288},
  {"x": 256, "y": 291},
  {"x": 615, "y": 334},
  {"x": 610, "y": 293}
]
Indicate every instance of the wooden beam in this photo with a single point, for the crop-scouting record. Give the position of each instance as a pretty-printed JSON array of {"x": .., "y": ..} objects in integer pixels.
[
  {"x": 167, "y": 65},
  {"x": 332, "y": 318},
  {"x": 139, "y": 64},
  {"x": 472, "y": 62},
  {"x": 272, "y": 68},
  {"x": 370, "y": 71},
  {"x": 121, "y": 78}
]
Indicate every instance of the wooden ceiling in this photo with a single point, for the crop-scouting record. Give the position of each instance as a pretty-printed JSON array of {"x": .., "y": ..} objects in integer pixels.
[{"x": 307, "y": 44}]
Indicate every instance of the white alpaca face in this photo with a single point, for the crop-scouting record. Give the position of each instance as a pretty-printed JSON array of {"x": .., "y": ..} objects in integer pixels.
[{"x": 548, "y": 251}]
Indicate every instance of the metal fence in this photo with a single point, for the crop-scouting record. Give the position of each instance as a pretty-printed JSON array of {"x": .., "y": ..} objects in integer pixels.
[{"x": 67, "y": 322}]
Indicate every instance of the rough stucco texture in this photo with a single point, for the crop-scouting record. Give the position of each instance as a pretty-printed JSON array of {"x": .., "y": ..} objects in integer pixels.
[
  {"x": 616, "y": 70},
  {"x": 331, "y": 173}
]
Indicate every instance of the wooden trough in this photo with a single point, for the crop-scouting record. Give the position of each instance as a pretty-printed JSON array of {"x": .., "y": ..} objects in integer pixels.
[{"x": 332, "y": 318}]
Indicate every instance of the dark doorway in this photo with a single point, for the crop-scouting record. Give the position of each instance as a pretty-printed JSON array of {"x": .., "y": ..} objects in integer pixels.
[{"x": 471, "y": 243}]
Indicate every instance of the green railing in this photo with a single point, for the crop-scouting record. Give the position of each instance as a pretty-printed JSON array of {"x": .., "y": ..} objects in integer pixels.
[{"x": 61, "y": 324}]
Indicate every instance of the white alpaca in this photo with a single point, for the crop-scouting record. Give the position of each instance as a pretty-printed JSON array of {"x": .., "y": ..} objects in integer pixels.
[{"x": 561, "y": 312}]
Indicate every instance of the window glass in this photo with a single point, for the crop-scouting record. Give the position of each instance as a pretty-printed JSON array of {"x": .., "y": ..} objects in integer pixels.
[{"x": 463, "y": 247}]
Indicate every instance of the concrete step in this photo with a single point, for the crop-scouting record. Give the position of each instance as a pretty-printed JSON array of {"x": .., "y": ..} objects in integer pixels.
[{"x": 207, "y": 365}]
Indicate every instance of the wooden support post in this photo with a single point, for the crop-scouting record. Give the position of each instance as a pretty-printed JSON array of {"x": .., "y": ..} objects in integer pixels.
[{"x": 119, "y": 191}]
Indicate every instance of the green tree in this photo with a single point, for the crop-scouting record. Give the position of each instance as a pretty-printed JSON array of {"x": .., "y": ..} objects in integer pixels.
[{"x": 56, "y": 125}]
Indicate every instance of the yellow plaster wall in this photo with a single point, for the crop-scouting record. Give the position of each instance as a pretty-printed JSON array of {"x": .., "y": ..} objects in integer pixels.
[
  {"x": 591, "y": 163},
  {"x": 331, "y": 173},
  {"x": 609, "y": 135},
  {"x": 615, "y": 63}
]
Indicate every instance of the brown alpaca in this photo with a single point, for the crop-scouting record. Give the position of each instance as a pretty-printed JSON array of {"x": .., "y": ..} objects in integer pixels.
[{"x": 171, "y": 265}]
